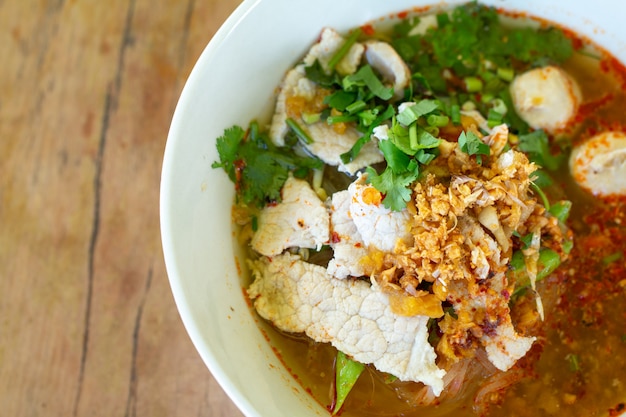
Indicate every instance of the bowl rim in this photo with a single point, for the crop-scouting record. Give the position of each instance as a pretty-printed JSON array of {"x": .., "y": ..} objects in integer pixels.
[{"x": 216, "y": 369}]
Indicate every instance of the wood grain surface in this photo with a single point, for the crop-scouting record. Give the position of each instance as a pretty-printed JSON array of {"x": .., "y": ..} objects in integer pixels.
[{"x": 88, "y": 323}]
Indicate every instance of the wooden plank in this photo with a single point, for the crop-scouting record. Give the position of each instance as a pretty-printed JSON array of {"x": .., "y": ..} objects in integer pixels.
[{"x": 88, "y": 324}]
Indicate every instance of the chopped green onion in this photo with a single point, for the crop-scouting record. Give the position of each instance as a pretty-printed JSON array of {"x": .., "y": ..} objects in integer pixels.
[
  {"x": 506, "y": 74},
  {"x": 473, "y": 84},
  {"x": 497, "y": 104},
  {"x": 347, "y": 372},
  {"x": 487, "y": 75},
  {"x": 345, "y": 47},
  {"x": 432, "y": 130},
  {"x": 356, "y": 148},
  {"x": 298, "y": 131},
  {"x": 367, "y": 117},
  {"x": 357, "y": 106},
  {"x": 542, "y": 195},
  {"x": 561, "y": 210},
  {"x": 574, "y": 362},
  {"x": 310, "y": 118},
  {"x": 568, "y": 245},
  {"x": 612, "y": 258},
  {"x": 413, "y": 143},
  {"x": 486, "y": 98},
  {"x": 437, "y": 120},
  {"x": 494, "y": 118},
  {"x": 455, "y": 114},
  {"x": 547, "y": 263},
  {"x": 342, "y": 118}
]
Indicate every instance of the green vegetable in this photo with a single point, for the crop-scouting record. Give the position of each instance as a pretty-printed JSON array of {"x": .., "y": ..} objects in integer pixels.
[
  {"x": 574, "y": 362},
  {"x": 437, "y": 120},
  {"x": 473, "y": 84},
  {"x": 256, "y": 166},
  {"x": 542, "y": 179},
  {"x": 472, "y": 145},
  {"x": 298, "y": 131},
  {"x": 507, "y": 74},
  {"x": 414, "y": 112},
  {"x": 347, "y": 372},
  {"x": 612, "y": 258},
  {"x": 561, "y": 210},
  {"x": 365, "y": 76},
  {"x": 548, "y": 261},
  {"x": 542, "y": 195},
  {"x": 315, "y": 72},
  {"x": 356, "y": 148},
  {"x": 537, "y": 146},
  {"x": 340, "y": 99},
  {"x": 345, "y": 47},
  {"x": 395, "y": 186}
]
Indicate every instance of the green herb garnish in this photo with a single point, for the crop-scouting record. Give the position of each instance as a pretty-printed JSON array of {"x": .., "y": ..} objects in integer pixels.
[
  {"x": 347, "y": 372},
  {"x": 471, "y": 144},
  {"x": 256, "y": 166}
]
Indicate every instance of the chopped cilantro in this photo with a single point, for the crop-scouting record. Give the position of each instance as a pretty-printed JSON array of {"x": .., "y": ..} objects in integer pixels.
[
  {"x": 256, "y": 166},
  {"x": 396, "y": 187},
  {"x": 537, "y": 146},
  {"x": 227, "y": 148},
  {"x": 315, "y": 72},
  {"x": 472, "y": 145},
  {"x": 396, "y": 159}
]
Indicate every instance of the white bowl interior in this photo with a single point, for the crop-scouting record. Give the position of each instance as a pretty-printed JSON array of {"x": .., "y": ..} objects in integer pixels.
[{"x": 233, "y": 82}]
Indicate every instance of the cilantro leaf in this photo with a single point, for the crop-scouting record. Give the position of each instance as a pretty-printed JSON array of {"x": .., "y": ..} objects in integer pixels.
[
  {"x": 472, "y": 145},
  {"x": 263, "y": 178},
  {"x": 256, "y": 166},
  {"x": 396, "y": 187},
  {"x": 399, "y": 135},
  {"x": 315, "y": 72},
  {"x": 424, "y": 140},
  {"x": 537, "y": 146},
  {"x": 227, "y": 145},
  {"x": 396, "y": 158}
]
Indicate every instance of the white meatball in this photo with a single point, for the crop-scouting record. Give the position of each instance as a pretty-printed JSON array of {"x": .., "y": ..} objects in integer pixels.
[
  {"x": 599, "y": 164},
  {"x": 546, "y": 98}
]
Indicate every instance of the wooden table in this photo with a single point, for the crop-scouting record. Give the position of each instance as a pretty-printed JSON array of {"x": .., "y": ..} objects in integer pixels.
[{"x": 88, "y": 323}]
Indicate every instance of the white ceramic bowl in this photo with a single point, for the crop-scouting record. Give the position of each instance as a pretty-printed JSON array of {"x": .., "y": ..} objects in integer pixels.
[{"x": 233, "y": 82}]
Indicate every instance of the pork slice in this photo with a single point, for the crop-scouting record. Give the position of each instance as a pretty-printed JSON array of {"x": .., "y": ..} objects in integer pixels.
[
  {"x": 299, "y": 220},
  {"x": 346, "y": 240},
  {"x": 379, "y": 226},
  {"x": 352, "y": 315}
]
